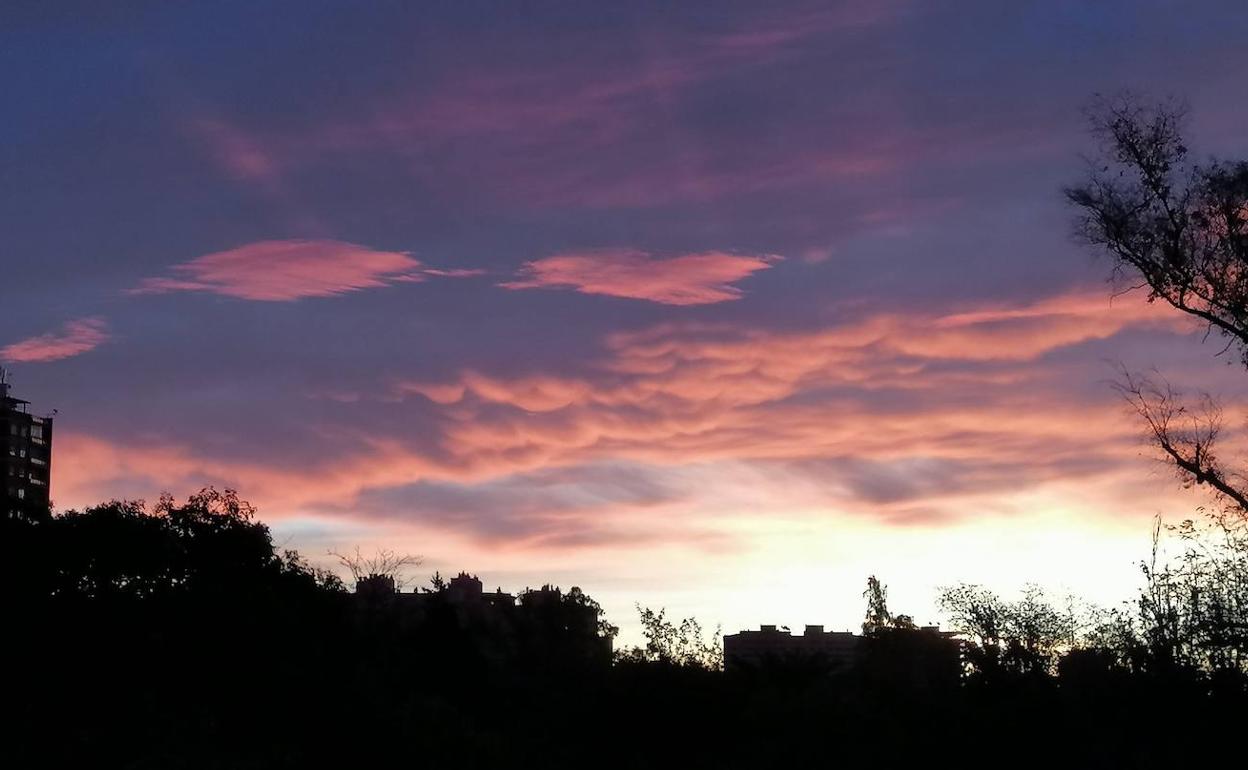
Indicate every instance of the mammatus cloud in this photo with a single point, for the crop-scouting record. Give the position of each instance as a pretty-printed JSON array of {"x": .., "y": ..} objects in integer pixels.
[
  {"x": 689, "y": 279},
  {"x": 281, "y": 271},
  {"x": 966, "y": 394},
  {"x": 75, "y": 337},
  {"x": 903, "y": 417}
]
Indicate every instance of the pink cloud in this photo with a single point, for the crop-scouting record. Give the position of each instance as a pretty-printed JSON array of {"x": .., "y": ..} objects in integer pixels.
[
  {"x": 593, "y": 105},
  {"x": 898, "y": 417},
  {"x": 815, "y": 255},
  {"x": 240, "y": 154},
  {"x": 278, "y": 271},
  {"x": 95, "y": 463},
  {"x": 453, "y": 272},
  {"x": 690, "y": 279},
  {"x": 584, "y": 133},
  {"x": 679, "y": 394},
  {"x": 74, "y": 338},
  {"x": 779, "y": 32}
]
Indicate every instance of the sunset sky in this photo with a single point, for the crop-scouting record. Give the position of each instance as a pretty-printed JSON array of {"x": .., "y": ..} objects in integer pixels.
[{"x": 720, "y": 306}]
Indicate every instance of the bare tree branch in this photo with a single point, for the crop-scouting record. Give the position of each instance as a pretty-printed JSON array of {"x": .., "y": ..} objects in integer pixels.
[
  {"x": 1179, "y": 228},
  {"x": 384, "y": 562},
  {"x": 1187, "y": 435}
]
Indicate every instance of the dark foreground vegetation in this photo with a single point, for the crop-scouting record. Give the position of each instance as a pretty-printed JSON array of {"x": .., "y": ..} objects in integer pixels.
[{"x": 177, "y": 636}]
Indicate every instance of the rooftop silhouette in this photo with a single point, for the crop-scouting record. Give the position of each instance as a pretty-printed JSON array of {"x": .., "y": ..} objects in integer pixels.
[{"x": 25, "y": 455}]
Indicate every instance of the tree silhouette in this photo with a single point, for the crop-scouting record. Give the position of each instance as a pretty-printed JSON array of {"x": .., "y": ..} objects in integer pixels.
[
  {"x": 561, "y": 629},
  {"x": 1179, "y": 230},
  {"x": 1008, "y": 639},
  {"x": 384, "y": 564},
  {"x": 676, "y": 644},
  {"x": 1179, "y": 227},
  {"x": 184, "y": 639},
  {"x": 1196, "y": 606},
  {"x": 878, "y": 616}
]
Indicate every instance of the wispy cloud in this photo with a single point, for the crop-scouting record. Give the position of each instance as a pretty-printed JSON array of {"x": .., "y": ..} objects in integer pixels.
[
  {"x": 604, "y": 131},
  {"x": 281, "y": 271},
  {"x": 886, "y": 394},
  {"x": 74, "y": 338},
  {"x": 689, "y": 279},
  {"x": 899, "y": 417},
  {"x": 239, "y": 154}
]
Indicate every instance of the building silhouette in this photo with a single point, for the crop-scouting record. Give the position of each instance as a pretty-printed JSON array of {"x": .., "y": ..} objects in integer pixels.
[
  {"x": 923, "y": 648},
  {"x": 501, "y": 627},
  {"x": 25, "y": 455},
  {"x": 768, "y": 643}
]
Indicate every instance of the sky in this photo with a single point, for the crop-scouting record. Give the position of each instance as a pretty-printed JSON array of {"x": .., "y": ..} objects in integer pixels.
[{"x": 718, "y": 307}]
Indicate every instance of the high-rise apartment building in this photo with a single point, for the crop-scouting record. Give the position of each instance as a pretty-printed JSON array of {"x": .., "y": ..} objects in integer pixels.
[{"x": 25, "y": 456}]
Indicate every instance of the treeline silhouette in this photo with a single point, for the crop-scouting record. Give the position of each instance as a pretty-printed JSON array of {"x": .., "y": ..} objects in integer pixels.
[{"x": 179, "y": 636}]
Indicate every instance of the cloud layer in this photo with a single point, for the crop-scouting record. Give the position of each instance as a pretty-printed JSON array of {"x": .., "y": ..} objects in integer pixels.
[
  {"x": 923, "y": 395},
  {"x": 903, "y": 418},
  {"x": 689, "y": 279},
  {"x": 74, "y": 338},
  {"x": 281, "y": 271}
]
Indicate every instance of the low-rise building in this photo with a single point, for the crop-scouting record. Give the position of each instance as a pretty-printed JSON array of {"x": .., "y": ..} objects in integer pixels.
[
  {"x": 771, "y": 644},
  {"x": 913, "y": 654},
  {"x": 544, "y": 622}
]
